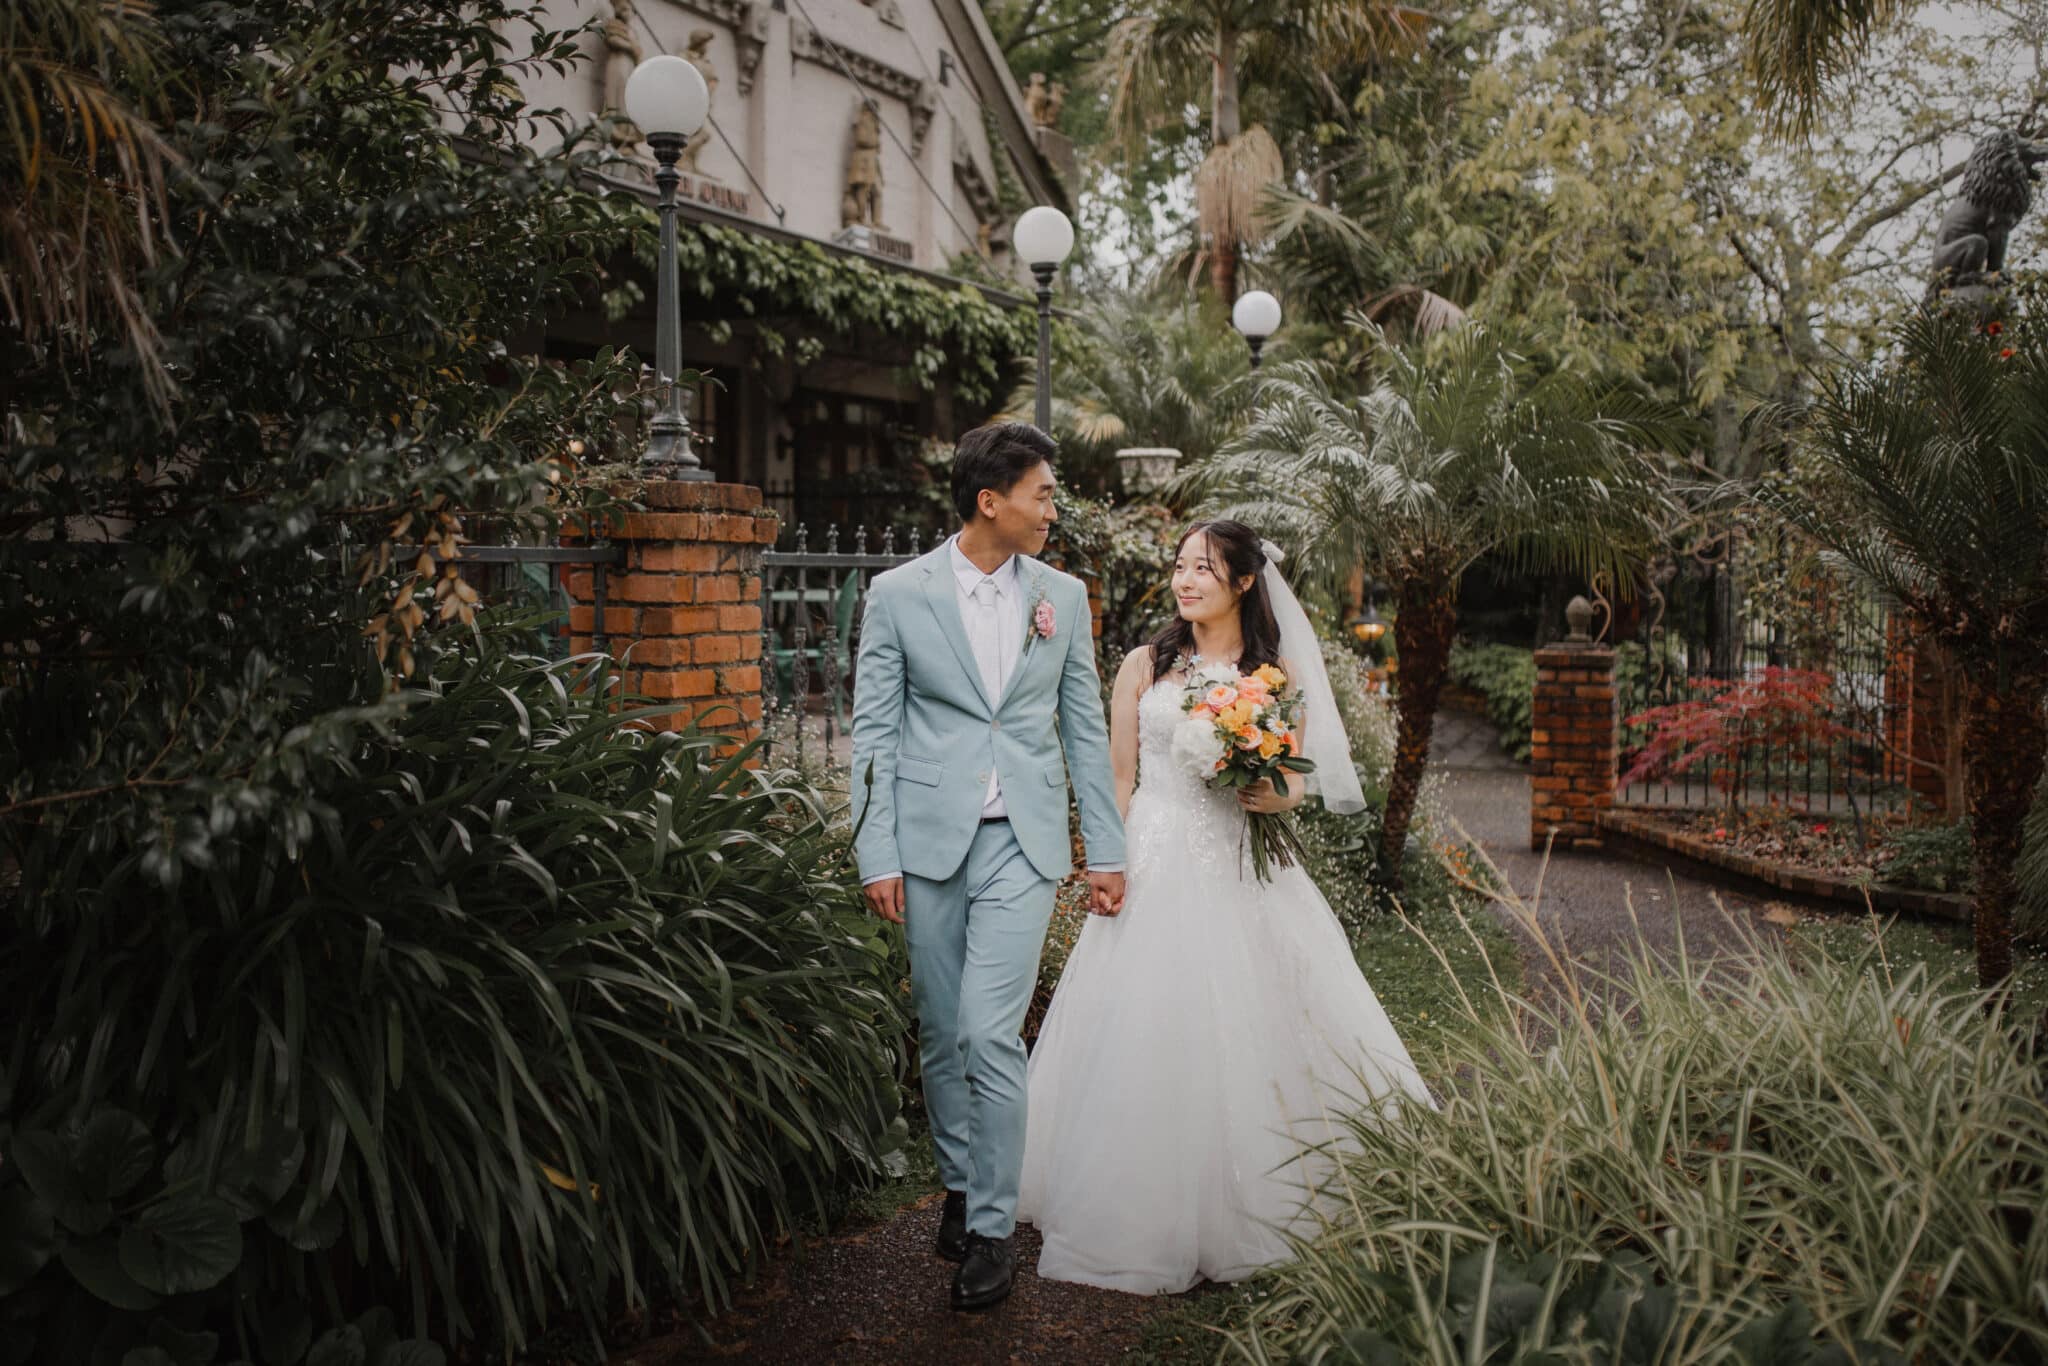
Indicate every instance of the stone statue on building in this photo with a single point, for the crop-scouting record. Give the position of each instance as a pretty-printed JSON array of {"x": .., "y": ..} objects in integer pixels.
[
  {"x": 699, "y": 56},
  {"x": 1997, "y": 191},
  {"x": 1038, "y": 101},
  {"x": 622, "y": 54},
  {"x": 1055, "y": 100},
  {"x": 862, "y": 203}
]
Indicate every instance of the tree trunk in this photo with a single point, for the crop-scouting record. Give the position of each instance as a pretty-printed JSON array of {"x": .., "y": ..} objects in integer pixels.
[
  {"x": 1223, "y": 270},
  {"x": 1223, "y": 130},
  {"x": 2006, "y": 741},
  {"x": 1427, "y": 620}
]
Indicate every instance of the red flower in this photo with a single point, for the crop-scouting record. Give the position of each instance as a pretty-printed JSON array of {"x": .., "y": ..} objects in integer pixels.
[
  {"x": 1993, "y": 329},
  {"x": 1820, "y": 829},
  {"x": 2006, "y": 354},
  {"x": 1720, "y": 833}
]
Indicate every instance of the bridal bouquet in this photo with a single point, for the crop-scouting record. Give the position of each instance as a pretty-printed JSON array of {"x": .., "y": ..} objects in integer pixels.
[{"x": 1239, "y": 729}]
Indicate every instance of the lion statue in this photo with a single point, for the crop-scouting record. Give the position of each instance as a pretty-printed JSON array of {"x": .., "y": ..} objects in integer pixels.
[{"x": 1998, "y": 189}]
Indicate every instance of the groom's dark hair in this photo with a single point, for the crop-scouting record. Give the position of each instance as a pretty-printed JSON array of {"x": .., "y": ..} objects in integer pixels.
[{"x": 995, "y": 456}]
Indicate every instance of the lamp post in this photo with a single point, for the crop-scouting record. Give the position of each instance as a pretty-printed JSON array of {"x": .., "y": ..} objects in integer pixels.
[
  {"x": 1257, "y": 315},
  {"x": 667, "y": 100},
  {"x": 1043, "y": 237},
  {"x": 1367, "y": 627}
]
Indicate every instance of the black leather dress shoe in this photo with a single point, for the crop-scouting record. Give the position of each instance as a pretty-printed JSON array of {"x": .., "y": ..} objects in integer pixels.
[
  {"x": 952, "y": 1243},
  {"x": 986, "y": 1276}
]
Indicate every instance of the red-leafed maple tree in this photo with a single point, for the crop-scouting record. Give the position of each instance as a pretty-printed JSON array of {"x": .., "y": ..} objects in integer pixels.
[{"x": 1733, "y": 723}]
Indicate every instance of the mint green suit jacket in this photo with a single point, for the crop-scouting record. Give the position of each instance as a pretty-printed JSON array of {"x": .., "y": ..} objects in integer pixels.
[{"x": 925, "y": 735}]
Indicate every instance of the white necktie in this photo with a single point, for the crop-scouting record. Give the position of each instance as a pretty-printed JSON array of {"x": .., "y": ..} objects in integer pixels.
[{"x": 988, "y": 648}]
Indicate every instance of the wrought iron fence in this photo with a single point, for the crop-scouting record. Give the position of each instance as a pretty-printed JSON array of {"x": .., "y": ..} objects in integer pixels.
[
  {"x": 810, "y": 627},
  {"x": 1801, "y": 707}
]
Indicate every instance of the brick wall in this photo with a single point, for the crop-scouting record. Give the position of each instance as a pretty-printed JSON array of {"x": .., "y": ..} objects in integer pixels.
[
  {"x": 1571, "y": 745},
  {"x": 683, "y": 609}
]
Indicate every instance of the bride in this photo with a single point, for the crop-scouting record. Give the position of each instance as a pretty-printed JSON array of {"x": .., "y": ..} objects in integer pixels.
[{"x": 1203, "y": 1037}]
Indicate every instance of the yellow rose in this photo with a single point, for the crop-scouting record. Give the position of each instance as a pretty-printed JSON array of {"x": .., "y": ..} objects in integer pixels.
[
  {"x": 1271, "y": 676},
  {"x": 1236, "y": 716},
  {"x": 1270, "y": 745}
]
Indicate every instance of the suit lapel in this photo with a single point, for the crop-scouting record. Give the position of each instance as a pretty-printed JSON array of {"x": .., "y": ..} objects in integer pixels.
[
  {"x": 1031, "y": 582},
  {"x": 945, "y": 604}
]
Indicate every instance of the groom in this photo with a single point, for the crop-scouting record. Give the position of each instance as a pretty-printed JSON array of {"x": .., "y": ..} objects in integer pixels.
[{"x": 977, "y": 666}]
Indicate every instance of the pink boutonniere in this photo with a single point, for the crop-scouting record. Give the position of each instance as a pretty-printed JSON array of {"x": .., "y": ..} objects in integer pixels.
[{"x": 1043, "y": 622}]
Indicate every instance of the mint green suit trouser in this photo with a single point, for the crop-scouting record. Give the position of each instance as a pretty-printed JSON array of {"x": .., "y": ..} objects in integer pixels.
[{"x": 974, "y": 941}]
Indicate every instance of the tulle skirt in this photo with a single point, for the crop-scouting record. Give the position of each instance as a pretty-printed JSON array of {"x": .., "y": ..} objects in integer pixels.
[{"x": 1197, "y": 1047}]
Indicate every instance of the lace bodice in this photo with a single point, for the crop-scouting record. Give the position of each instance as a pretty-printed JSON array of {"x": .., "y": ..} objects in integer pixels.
[
  {"x": 1159, "y": 711},
  {"x": 1176, "y": 818}
]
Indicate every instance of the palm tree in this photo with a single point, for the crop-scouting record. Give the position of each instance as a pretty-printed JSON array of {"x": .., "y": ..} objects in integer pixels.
[
  {"x": 1929, "y": 480},
  {"x": 82, "y": 175},
  {"x": 1148, "y": 374},
  {"x": 1459, "y": 451},
  {"x": 1162, "y": 56}
]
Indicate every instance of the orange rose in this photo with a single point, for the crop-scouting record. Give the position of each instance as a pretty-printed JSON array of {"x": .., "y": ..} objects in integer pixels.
[
  {"x": 1220, "y": 696},
  {"x": 1201, "y": 709},
  {"x": 1249, "y": 738},
  {"x": 1255, "y": 688},
  {"x": 1293, "y": 740}
]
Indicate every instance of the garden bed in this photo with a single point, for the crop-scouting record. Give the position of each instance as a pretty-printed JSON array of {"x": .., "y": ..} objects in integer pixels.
[{"x": 1808, "y": 857}]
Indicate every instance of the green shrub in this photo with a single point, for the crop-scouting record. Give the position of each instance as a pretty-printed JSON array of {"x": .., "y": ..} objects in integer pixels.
[
  {"x": 1505, "y": 676},
  {"x": 1815, "y": 1148},
  {"x": 542, "y": 1010},
  {"x": 1934, "y": 858}
]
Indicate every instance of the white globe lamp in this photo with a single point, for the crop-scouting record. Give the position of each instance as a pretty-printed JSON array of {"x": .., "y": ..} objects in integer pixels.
[
  {"x": 666, "y": 96},
  {"x": 1257, "y": 315}
]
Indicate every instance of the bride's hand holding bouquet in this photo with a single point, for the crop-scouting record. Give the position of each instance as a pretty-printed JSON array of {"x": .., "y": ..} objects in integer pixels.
[{"x": 1243, "y": 732}]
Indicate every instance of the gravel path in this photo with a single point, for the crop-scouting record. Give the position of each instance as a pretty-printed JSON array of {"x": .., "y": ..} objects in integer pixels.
[
  {"x": 878, "y": 1294},
  {"x": 1583, "y": 899}
]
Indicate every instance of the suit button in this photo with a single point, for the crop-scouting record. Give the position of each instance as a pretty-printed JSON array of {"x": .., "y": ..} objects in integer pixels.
[
  {"x": 995, "y": 725},
  {"x": 981, "y": 777}
]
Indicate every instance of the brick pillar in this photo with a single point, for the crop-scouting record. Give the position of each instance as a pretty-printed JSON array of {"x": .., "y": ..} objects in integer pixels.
[
  {"x": 1571, "y": 744},
  {"x": 683, "y": 608}
]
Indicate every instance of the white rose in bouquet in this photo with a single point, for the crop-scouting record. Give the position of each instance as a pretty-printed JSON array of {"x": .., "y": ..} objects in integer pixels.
[{"x": 1195, "y": 746}]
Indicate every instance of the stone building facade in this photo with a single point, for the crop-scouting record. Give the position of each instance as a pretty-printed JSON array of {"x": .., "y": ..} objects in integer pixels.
[{"x": 885, "y": 130}]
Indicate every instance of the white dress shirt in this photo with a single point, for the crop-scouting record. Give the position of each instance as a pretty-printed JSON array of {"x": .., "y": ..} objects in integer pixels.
[{"x": 994, "y": 617}]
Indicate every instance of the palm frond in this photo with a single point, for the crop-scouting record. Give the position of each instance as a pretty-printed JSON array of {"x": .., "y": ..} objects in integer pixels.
[
  {"x": 1798, "y": 50},
  {"x": 87, "y": 170}
]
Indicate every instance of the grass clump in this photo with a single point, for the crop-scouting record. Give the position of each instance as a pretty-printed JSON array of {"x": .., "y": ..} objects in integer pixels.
[{"x": 1778, "y": 1161}]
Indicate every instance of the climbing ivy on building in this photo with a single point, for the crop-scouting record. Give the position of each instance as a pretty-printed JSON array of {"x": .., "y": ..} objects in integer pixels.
[
  {"x": 1010, "y": 196},
  {"x": 788, "y": 290}
]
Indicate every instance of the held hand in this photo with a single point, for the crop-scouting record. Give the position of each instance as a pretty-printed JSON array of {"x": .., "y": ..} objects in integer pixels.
[
  {"x": 1260, "y": 796},
  {"x": 885, "y": 899},
  {"x": 1105, "y": 893}
]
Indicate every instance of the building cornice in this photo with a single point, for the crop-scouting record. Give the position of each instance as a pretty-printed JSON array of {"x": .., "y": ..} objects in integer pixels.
[
  {"x": 979, "y": 51},
  {"x": 806, "y": 43}
]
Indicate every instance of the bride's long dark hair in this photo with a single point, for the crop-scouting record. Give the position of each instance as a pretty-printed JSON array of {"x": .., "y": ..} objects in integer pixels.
[{"x": 1238, "y": 547}]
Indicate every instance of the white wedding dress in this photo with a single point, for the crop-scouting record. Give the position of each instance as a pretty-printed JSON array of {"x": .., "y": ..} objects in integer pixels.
[{"x": 1196, "y": 1043}]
